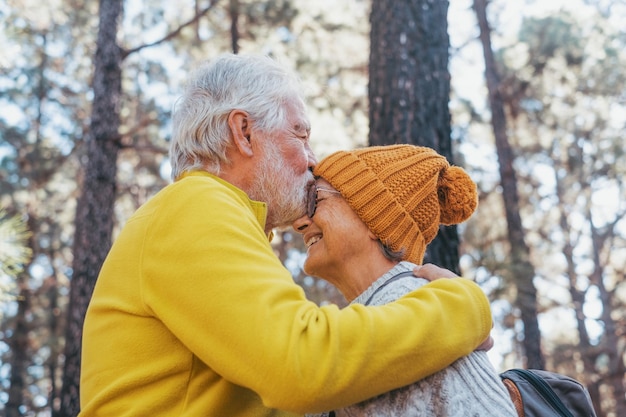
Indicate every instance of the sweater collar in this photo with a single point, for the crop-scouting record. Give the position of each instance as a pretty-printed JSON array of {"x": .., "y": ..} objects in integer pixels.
[
  {"x": 259, "y": 208},
  {"x": 400, "y": 268}
]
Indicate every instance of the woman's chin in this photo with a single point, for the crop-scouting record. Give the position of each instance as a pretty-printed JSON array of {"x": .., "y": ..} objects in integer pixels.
[{"x": 310, "y": 267}]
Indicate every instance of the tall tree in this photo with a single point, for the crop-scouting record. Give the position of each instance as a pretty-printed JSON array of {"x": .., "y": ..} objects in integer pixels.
[
  {"x": 409, "y": 89},
  {"x": 522, "y": 270},
  {"x": 94, "y": 211}
]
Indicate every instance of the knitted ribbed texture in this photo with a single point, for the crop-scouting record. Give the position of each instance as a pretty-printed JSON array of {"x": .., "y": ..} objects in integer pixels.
[{"x": 401, "y": 192}]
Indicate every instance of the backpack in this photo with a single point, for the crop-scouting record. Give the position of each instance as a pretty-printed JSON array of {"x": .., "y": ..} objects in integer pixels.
[{"x": 537, "y": 393}]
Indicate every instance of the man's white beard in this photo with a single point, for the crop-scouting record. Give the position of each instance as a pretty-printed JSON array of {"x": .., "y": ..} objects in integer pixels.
[{"x": 284, "y": 193}]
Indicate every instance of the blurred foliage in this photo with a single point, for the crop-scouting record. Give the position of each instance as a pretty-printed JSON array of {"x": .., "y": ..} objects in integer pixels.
[{"x": 14, "y": 253}]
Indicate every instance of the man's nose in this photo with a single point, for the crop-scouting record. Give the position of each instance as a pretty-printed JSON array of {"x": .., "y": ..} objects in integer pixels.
[{"x": 311, "y": 156}]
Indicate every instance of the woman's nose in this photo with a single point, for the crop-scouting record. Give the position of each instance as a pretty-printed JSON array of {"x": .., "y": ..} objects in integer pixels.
[{"x": 300, "y": 225}]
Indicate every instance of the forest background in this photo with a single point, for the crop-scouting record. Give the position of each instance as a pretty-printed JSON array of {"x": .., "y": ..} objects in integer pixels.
[{"x": 560, "y": 90}]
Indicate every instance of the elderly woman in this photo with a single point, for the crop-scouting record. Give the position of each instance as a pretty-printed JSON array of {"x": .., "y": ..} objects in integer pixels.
[{"x": 371, "y": 213}]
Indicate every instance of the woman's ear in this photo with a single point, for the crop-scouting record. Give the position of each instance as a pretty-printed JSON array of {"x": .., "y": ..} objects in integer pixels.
[{"x": 240, "y": 128}]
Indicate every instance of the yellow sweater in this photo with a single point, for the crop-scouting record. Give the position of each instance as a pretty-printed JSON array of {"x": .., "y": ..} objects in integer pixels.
[{"x": 194, "y": 315}]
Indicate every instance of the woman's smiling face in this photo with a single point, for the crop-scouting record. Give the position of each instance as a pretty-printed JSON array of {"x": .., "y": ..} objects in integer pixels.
[{"x": 335, "y": 236}]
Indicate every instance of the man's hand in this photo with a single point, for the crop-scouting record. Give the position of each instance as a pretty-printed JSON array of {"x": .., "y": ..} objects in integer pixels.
[
  {"x": 432, "y": 272},
  {"x": 486, "y": 345}
]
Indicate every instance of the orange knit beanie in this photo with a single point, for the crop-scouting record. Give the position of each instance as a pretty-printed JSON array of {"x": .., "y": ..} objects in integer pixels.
[{"x": 401, "y": 192}]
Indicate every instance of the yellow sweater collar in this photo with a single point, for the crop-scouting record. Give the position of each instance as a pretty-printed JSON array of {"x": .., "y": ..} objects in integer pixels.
[{"x": 259, "y": 208}]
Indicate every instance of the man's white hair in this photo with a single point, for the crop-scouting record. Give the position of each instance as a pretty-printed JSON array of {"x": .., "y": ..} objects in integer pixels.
[{"x": 255, "y": 84}]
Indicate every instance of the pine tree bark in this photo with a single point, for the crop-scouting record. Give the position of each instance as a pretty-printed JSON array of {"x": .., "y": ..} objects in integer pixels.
[
  {"x": 409, "y": 89},
  {"x": 94, "y": 211},
  {"x": 18, "y": 343},
  {"x": 522, "y": 270}
]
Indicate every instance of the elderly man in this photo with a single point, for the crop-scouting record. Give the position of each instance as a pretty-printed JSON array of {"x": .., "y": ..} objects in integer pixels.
[{"x": 194, "y": 315}]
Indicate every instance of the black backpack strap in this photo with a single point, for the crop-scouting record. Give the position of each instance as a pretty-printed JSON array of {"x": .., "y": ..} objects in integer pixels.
[{"x": 389, "y": 281}]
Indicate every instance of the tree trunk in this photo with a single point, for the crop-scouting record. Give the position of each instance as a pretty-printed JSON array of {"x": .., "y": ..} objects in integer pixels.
[
  {"x": 18, "y": 343},
  {"x": 613, "y": 346},
  {"x": 409, "y": 89},
  {"x": 94, "y": 211},
  {"x": 234, "y": 25},
  {"x": 522, "y": 270},
  {"x": 52, "y": 294},
  {"x": 587, "y": 352}
]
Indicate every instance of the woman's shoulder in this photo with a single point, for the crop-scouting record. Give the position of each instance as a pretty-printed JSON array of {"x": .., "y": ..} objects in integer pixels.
[{"x": 395, "y": 283}]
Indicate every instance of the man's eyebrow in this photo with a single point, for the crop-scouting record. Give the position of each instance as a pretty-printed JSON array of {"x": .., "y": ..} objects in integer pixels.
[{"x": 298, "y": 127}]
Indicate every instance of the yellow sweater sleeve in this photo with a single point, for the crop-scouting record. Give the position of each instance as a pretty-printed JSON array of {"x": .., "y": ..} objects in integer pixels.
[{"x": 209, "y": 274}]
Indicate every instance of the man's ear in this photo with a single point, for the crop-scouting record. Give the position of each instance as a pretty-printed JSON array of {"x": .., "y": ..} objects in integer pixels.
[{"x": 239, "y": 123}]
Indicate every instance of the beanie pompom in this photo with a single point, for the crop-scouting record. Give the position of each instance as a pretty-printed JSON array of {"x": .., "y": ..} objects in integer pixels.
[{"x": 458, "y": 197}]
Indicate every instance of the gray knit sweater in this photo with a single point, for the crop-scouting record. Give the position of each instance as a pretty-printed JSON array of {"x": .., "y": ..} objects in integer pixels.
[{"x": 470, "y": 387}]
